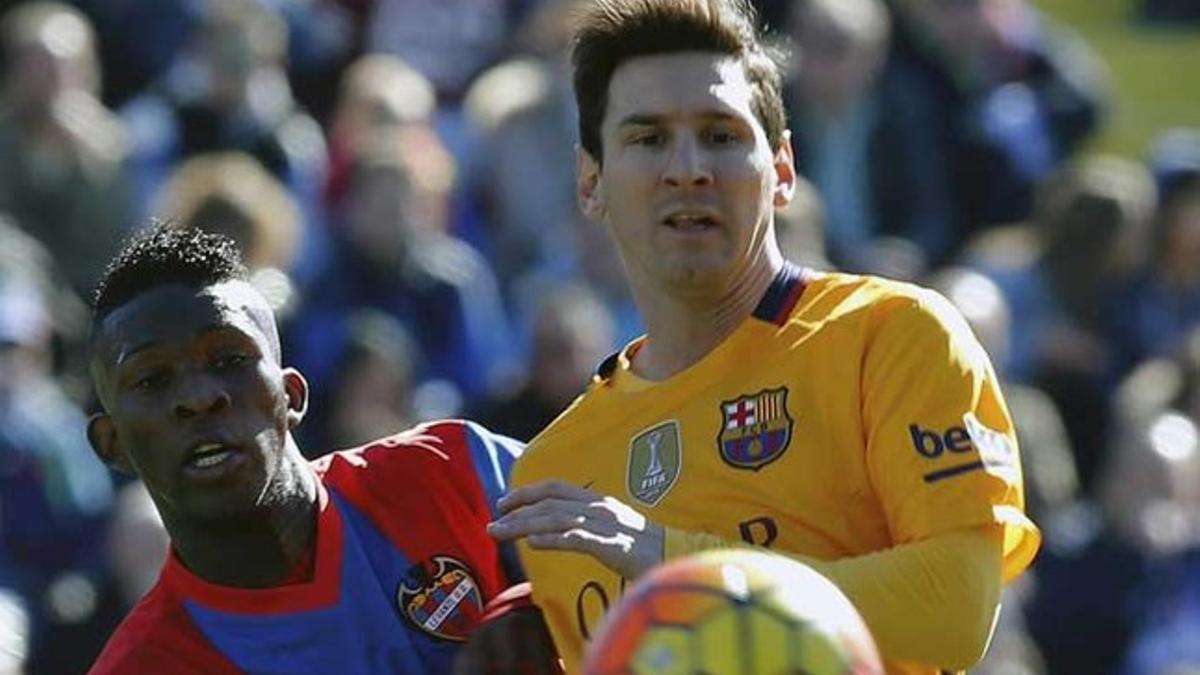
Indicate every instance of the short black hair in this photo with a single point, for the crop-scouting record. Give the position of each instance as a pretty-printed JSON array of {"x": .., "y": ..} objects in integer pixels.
[{"x": 166, "y": 253}]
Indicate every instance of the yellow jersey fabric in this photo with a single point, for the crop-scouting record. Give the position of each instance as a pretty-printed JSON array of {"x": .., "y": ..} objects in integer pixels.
[{"x": 850, "y": 414}]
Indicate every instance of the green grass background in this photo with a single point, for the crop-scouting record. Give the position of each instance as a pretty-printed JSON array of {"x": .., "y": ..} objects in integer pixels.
[{"x": 1154, "y": 70}]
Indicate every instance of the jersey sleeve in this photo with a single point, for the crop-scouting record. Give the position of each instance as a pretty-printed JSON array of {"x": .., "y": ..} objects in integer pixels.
[
  {"x": 493, "y": 458},
  {"x": 437, "y": 482},
  {"x": 941, "y": 448}
]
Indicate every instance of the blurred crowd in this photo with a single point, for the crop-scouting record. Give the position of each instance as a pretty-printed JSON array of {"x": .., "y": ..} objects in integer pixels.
[{"x": 400, "y": 177}]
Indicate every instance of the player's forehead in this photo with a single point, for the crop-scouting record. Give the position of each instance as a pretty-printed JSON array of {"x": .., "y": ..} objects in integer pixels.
[
  {"x": 679, "y": 86},
  {"x": 174, "y": 313}
]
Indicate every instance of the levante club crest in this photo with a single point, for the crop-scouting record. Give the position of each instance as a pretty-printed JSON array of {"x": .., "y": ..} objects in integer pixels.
[
  {"x": 441, "y": 598},
  {"x": 755, "y": 429}
]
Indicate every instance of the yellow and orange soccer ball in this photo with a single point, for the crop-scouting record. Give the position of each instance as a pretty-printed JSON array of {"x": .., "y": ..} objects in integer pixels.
[{"x": 733, "y": 612}]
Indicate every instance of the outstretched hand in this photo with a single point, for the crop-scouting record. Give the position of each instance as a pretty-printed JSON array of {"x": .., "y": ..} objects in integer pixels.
[{"x": 557, "y": 515}]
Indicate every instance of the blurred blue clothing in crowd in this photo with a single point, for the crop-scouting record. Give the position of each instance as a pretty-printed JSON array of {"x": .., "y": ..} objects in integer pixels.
[
  {"x": 450, "y": 303},
  {"x": 1168, "y": 637},
  {"x": 1008, "y": 99},
  {"x": 1163, "y": 305},
  {"x": 54, "y": 494}
]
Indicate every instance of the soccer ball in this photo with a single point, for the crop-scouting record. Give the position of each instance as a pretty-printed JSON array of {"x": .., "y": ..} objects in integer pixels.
[{"x": 733, "y": 612}]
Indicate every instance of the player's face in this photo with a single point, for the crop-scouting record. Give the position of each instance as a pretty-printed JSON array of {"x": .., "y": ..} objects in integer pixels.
[
  {"x": 196, "y": 401},
  {"x": 689, "y": 181}
]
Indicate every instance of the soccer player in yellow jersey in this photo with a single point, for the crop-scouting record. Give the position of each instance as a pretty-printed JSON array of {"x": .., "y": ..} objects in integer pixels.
[{"x": 851, "y": 422}]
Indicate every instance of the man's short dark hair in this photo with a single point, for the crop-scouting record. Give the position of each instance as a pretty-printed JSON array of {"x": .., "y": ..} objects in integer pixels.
[
  {"x": 166, "y": 253},
  {"x": 610, "y": 32}
]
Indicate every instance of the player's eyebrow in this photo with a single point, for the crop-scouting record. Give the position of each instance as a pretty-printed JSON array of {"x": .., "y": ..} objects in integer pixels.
[
  {"x": 127, "y": 354},
  {"x": 658, "y": 119},
  {"x": 642, "y": 120}
]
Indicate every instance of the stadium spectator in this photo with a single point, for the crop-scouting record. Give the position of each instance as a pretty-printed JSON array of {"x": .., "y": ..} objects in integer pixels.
[
  {"x": 572, "y": 332},
  {"x": 1124, "y": 574},
  {"x": 228, "y": 90},
  {"x": 1167, "y": 520},
  {"x": 276, "y": 564},
  {"x": 378, "y": 92},
  {"x": 520, "y": 177},
  {"x": 849, "y": 421},
  {"x": 449, "y": 41},
  {"x": 373, "y": 389},
  {"x": 230, "y": 193},
  {"x": 1163, "y": 304},
  {"x": 1087, "y": 242},
  {"x": 54, "y": 496},
  {"x": 875, "y": 179},
  {"x": 63, "y": 176},
  {"x": 393, "y": 253},
  {"x": 997, "y": 94},
  {"x": 23, "y": 258}
]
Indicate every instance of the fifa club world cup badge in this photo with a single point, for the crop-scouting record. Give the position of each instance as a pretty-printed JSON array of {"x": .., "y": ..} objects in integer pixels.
[
  {"x": 654, "y": 461},
  {"x": 755, "y": 429},
  {"x": 441, "y": 598}
]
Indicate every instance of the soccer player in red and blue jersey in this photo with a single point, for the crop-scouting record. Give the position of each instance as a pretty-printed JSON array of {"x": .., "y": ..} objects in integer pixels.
[{"x": 370, "y": 560}]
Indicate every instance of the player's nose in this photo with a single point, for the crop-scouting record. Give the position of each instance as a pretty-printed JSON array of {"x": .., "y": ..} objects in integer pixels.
[
  {"x": 687, "y": 163},
  {"x": 200, "y": 394}
]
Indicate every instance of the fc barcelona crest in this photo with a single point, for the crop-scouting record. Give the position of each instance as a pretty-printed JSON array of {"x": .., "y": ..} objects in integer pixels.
[
  {"x": 654, "y": 460},
  {"x": 755, "y": 429},
  {"x": 441, "y": 598}
]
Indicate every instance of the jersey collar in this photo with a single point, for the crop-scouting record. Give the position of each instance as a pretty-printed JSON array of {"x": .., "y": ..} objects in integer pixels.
[
  {"x": 775, "y": 307},
  {"x": 782, "y": 295}
]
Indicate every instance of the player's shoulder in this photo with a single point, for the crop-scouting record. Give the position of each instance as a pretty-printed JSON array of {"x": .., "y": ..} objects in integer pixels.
[
  {"x": 440, "y": 451},
  {"x": 836, "y": 289},
  {"x": 158, "y": 636},
  {"x": 588, "y": 412},
  {"x": 435, "y": 441},
  {"x": 878, "y": 300}
]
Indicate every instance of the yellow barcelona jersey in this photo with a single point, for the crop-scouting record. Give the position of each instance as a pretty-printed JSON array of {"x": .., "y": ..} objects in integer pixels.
[{"x": 848, "y": 415}]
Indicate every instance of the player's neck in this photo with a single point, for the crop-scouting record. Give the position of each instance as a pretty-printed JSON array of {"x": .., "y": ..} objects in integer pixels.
[
  {"x": 259, "y": 549},
  {"x": 682, "y": 328}
]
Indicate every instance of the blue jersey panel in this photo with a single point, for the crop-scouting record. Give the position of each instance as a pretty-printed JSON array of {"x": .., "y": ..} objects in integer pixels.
[{"x": 366, "y": 620}]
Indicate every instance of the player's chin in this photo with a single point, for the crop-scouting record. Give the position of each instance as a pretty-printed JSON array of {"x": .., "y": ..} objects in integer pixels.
[
  {"x": 698, "y": 276},
  {"x": 230, "y": 501}
]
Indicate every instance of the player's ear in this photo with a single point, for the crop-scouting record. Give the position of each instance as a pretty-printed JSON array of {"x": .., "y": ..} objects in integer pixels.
[
  {"x": 588, "y": 188},
  {"x": 103, "y": 437},
  {"x": 785, "y": 172},
  {"x": 296, "y": 388}
]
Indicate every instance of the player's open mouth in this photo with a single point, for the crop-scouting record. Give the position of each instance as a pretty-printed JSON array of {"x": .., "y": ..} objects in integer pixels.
[
  {"x": 686, "y": 221},
  {"x": 206, "y": 457}
]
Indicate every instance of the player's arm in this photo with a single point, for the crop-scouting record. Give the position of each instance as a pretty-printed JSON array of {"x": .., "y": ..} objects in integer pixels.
[{"x": 933, "y": 601}]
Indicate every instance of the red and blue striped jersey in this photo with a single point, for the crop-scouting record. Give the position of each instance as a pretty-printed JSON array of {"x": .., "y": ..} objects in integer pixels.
[{"x": 402, "y": 571}]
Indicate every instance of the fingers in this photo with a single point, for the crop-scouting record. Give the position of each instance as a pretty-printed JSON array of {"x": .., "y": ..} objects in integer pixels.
[
  {"x": 547, "y": 489},
  {"x": 585, "y": 541},
  {"x": 614, "y": 551},
  {"x": 554, "y": 514},
  {"x": 548, "y": 515}
]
